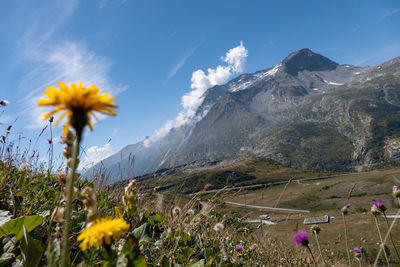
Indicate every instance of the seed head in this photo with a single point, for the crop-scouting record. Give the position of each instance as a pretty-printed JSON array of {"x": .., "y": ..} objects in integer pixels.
[
  {"x": 190, "y": 213},
  {"x": 4, "y": 103},
  {"x": 130, "y": 198},
  {"x": 90, "y": 203},
  {"x": 374, "y": 210},
  {"x": 24, "y": 166},
  {"x": 176, "y": 211},
  {"x": 58, "y": 215},
  {"x": 315, "y": 229},
  {"x": 219, "y": 227},
  {"x": 396, "y": 191}
]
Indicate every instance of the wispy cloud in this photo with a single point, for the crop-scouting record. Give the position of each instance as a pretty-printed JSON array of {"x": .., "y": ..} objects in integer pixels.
[
  {"x": 5, "y": 118},
  {"x": 173, "y": 33},
  {"x": 389, "y": 12},
  {"x": 182, "y": 61},
  {"x": 385, "y": 53},
  {"x": 102, "y": 3},
  {"x": 67, "y": 61},
  {"x": 42, "y": 29},
  {"x": 61, "y": 60}
]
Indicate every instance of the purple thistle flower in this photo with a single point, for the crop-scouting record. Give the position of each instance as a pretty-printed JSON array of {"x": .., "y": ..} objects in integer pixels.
[
  {"x": 378, "y": 203},
  {"x": 301, "y": 238},
  {"x": 239, "y": 248},
  {"x": 396, "y": 191},
  {"x": 345, "y": 209},
  {"x": 357, "y": 252},
  {"x": 380, "y": 206}
]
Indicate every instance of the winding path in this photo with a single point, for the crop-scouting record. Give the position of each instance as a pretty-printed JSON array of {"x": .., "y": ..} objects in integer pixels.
[{"x": 264, "y": 207}]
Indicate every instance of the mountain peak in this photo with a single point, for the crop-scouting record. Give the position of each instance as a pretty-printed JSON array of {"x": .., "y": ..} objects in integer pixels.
[{"x": 305, "y": 59}]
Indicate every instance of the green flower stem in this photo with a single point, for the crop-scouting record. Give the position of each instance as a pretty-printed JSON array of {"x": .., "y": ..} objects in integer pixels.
[
  {"x": 387, "y": 235},
  {"x": 68, "y": 205},
  {"x": 109, "y": 257},
  {"x": 346, "y": 241},
  {"x": 51, "y": 151},
  {"x": 382, "y": 243},
  {"x": 390, "y": 236},
  {"x": 312, "y": 255},
  {"x": 319, "y": 247}
]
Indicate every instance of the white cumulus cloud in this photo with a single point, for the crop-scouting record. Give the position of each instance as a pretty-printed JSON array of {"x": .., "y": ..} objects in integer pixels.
[
  {"x": 94, "y": 155},
  {"x": 200, "y": 82}
]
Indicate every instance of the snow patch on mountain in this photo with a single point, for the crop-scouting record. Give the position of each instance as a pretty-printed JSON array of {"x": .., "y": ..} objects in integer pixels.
[
  {"x": 240, "y": 85},
  {"x": 270, "y": 72},
  {"x": 332, "y": 83}
]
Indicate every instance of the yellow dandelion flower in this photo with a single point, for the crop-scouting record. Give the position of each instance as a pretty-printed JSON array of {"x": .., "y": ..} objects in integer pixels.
[
  {"x": 77, "y": 103},
  {"x": 103, "y": 231}
]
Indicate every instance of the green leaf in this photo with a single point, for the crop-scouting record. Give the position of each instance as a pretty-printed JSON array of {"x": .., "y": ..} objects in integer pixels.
[
  {"x": 132, "y": 253},
  {"x": 180, "y": 257},
  {"x": 31, "y": 250},
  {"x": 187, "y": 252},
  {"x": 165, "y": 262},
  {"x": 142, "y": 234},
  {"x": 200, "y": 263},
  {"x": 16, "y": 226}
]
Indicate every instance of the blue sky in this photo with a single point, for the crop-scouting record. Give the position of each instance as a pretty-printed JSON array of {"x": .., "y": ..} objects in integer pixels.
[{"x": 145, "y": 52}]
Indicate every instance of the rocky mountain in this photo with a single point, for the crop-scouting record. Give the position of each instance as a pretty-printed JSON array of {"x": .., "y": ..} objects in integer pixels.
[{"x": 307, "y": 111}]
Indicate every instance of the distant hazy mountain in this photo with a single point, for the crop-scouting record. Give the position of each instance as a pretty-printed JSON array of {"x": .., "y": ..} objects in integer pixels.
[{"x": 306, "y": 111}]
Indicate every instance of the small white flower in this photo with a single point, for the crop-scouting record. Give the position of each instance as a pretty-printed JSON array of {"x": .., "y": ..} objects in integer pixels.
[
  {"x": 190, "y": 213},
  {"x": 219, "y": 227},
  {"x": 24, "y": 166}
]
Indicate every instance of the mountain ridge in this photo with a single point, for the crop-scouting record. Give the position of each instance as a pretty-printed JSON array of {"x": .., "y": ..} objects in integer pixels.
[{"x": 277, "y": 113}]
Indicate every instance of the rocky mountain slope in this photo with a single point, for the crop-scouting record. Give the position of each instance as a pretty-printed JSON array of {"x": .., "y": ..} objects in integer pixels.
[{"x": 307, "y": 111}]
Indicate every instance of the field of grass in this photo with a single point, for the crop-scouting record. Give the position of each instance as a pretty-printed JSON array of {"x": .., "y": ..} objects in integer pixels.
[
  {"x": 326, "y": 197},
  {"x": 321, "y": 197},
  {"x": 156, "y": 235}
]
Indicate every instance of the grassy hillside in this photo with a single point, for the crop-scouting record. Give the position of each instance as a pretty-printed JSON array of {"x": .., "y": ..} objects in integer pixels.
[{"x": 249, "y": 171}]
